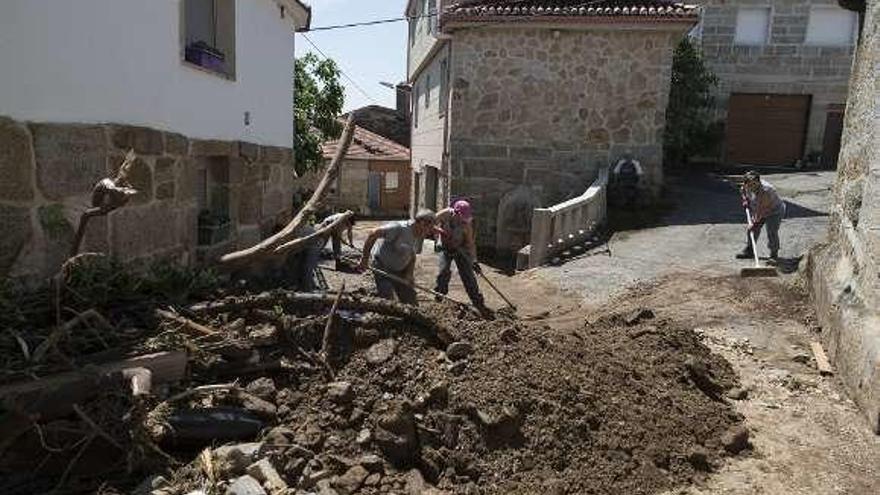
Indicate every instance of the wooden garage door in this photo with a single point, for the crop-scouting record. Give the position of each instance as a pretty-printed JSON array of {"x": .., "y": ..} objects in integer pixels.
[{"x": 764, "y": 129}]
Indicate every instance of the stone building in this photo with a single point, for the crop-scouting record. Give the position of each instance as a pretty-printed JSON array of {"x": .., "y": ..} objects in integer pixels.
[
  {"x": 517, "y": 105},
  {"x": 783, "y": 68},
  {"x": 375, "y": 177},
  {"x": 197, "y": 88},
  {"x": 845, "y": 270}
]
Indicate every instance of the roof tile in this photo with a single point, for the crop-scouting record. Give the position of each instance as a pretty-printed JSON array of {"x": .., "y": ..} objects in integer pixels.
[
  {"x": 486, "y": 9},
  {"x": 366, "y": 145}
]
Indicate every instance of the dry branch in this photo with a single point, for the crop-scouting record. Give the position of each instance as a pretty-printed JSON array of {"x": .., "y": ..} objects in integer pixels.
[
  {"x": 196, "y": 329},
  {"x": 266, "y": 247},
  {"x": 349, "y": 302}
]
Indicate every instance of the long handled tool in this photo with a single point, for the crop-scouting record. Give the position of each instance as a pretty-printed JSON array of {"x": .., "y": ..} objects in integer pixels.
[
  {"x": 497, "y": 291},
  {"x": 757, "y": 270},
  {"x": 413, "y": 284}
]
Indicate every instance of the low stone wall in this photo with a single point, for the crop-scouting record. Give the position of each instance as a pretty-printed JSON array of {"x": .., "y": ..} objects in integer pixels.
[
  {"x": 844, "y": 272},
  {"x": 47, "y": 171}
]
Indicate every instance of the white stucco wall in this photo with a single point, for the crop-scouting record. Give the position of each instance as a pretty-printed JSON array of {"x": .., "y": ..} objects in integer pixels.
[{"x": 121, "y": 61}]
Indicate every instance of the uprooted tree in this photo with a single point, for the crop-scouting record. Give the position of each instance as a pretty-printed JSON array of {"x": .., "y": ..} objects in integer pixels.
[{"x": 283, "y": 241}]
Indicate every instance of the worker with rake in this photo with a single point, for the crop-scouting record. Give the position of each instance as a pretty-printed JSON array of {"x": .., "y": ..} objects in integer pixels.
[
  {"x": 458, "y": 244},
  {"x": 396, "y": 255},
  {"x": 335, "y": 237},
  {"x": 767, "y": 208}
]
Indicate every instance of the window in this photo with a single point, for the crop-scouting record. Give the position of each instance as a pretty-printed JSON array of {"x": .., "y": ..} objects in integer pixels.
[
  {"x": 391, "y": 181},
  {"x": 434, "y": 18},
  {"x": 415, "y": 103},
  {"x": 428, "y": 90},
  {"x": 831, "y": 26},
  {"x": 444, "y": 84},
  {"x": 209, "y": 35},
  {"x": 752, "y": 26}
]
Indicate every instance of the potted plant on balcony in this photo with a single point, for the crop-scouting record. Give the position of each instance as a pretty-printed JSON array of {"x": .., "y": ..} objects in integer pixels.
[{"x": 204, "y": 55}]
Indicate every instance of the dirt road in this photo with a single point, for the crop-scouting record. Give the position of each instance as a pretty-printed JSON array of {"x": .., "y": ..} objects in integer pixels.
[{"x": 808, "y": 437}]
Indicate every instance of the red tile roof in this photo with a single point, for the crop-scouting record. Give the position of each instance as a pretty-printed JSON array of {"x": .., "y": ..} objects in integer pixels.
[
  {"x": 635, "y": 10},
  {"x": 366, "y": 145}
]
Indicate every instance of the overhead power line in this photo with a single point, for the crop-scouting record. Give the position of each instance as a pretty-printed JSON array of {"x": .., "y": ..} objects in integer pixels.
[
  {"x": 352, "y": 81},
  {"x": 369, "y": 23}
]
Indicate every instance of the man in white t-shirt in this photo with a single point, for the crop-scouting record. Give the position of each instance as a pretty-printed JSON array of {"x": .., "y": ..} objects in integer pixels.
[{"x": 767, "y": 208}]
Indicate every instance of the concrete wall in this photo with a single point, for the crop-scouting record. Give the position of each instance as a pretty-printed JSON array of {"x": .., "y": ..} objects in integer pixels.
[
  {"x": 428, "y": 128},
  {"x": 786, "y": 64},
  {"x": 352, "y": 187},
  {"x": 47, "y": 172},
  {"x": 537, "y": 110},
  {"x": 845, "y": 271},
  {"x": 94, "y": 61}
]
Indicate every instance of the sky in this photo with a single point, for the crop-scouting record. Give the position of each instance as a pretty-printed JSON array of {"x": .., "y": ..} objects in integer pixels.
[{"x": 367, "y": 54}]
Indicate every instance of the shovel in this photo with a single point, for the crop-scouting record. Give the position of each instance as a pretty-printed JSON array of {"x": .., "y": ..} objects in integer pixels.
[
  {"x": 497, "y": 291},
  {"x": 757, "y": 270}
]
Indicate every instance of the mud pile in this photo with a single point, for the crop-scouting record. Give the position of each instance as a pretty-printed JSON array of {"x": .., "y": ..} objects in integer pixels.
[{"x": 387, "y": 399}]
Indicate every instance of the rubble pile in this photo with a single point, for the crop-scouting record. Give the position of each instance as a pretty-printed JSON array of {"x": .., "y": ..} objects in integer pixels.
[{"x": 286, "y": 393}]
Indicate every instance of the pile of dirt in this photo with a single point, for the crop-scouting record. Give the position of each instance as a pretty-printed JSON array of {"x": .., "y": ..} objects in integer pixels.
[{"x": 405, "y": 400}]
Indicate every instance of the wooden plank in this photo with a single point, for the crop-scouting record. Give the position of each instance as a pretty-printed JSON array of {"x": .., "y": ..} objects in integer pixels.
[
  {"x": 821, "y": 359},
  {"x": 55, "y": 395}
]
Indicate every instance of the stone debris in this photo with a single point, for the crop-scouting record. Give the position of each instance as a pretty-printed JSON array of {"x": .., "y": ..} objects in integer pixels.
[
  {"x": 340, "y": 392},
  {"x": 245, "y": 485},
  {"x": 381, "y": 351},
  {"x": 264, "y": 472},
  {"x": 351, "y": 481},
  {"x": 459, "y": 350}
]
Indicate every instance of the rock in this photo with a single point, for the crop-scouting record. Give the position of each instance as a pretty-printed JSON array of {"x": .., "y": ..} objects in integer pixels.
[
  {"x": 280, "y": 435},
  {"x": 234, "y": 459},
  {"x": 263, "y": 388},
  {"x": 373, "y": 480},
  {"x": 312, "y": 478},
  {"x": 438, "y": 394},
  {"x": 381, "y": 351},
  {"x": 509, "y": 335},
  {"x": 415, "y": 483},
  {"x": 366, "y": 336},
  {"x": 638, "y": 315},
  {"x": 737, "y": 394},
  {"x": 396, "y": 433},
  {"x": 364, "y": 437},
  {"x": 245, "y": 485},
  {"x": 736, "y": 439},
  {"x": 311, "y": 437},
  {"x": 351, "y": 481},
  {"x": 701, "y": 378},
  {"x": 340, "y": 392},
  {"x": 371, "y": 462},
  {"x": 433, "y": 463},
  {"x": 264, "y": 472},
  {"x": 457, "y": 368},
  {"x": 459, "y": 350},
  {"x": 324, "y": 488},
  {"x": 258, "y": 406}
]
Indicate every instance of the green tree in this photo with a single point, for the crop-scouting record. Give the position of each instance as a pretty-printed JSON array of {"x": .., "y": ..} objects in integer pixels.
[
  {"x": 317, "y": 104},
  {"x": 689, "y": 126}
]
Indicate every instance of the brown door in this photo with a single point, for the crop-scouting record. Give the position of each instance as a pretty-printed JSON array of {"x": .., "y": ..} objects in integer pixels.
[
  {"x": 833, "y": 134},
  {"x": 765, "y": 129}
]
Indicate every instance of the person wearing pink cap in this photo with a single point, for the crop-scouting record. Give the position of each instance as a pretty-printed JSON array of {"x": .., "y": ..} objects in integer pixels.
[{"x": 455, "y": 229}]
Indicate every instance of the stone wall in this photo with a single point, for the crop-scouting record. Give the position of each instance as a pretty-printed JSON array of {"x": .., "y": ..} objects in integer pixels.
[
  {"x": 845, "y": 271},
  {"x": 785, "y": 65},
  {"x": 47, "y": 172},
  {"x": 544, "y": 109}
]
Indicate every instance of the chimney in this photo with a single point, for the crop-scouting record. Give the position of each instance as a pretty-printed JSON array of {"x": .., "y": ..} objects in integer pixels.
[{"x": 403, "y": 100}]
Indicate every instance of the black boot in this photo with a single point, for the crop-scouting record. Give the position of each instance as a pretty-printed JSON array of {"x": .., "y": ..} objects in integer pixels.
[{"x": 745, "y": 254}]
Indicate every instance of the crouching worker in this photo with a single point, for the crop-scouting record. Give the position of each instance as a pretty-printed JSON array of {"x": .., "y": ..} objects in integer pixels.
[
  {"x": 458, "y": 245},
  {"x": 396, "y": 255},
  {"x": 767, "y": 208},
  {"x": 335, "y": 237}
]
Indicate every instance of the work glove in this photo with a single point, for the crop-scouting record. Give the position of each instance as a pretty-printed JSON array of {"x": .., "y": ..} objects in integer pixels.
[{"x": 477, "y": 268}]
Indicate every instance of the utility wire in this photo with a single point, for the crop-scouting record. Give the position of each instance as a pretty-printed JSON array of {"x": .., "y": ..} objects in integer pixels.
[
  {"x": 352, "y": 81},
  {"x": 372, "y": 23}
]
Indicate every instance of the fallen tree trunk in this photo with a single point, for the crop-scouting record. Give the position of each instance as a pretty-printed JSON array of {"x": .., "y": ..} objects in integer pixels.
[
  {"x": 302, "y": 242},
  {"x": 268, "y": 300},
  {"x": 266, "y": 248}
]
